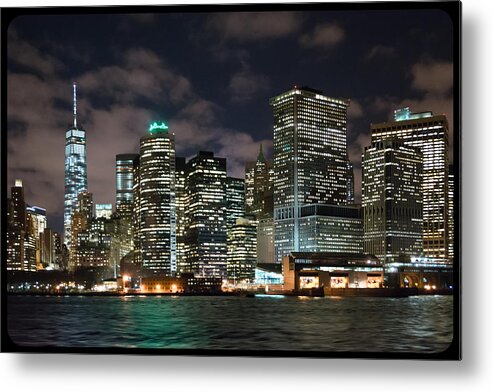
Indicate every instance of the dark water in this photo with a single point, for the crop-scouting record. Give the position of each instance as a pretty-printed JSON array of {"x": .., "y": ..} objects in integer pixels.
[{"x": 414, "y": 325}]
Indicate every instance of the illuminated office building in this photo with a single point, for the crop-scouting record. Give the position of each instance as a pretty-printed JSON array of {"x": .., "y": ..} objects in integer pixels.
[
  {"x": 429, "y": 133},
  {"x": 125, "y": 184},
  {"x": 75, "y": 168},
  {"x": 311, "y": 163},
  {"x": 206, "y": 214},
  {"x": 47, "y": 249},
  {"x": 235, "y": 200},
  {"x": 259, "y": 187},
  {"x": 265, "y": 240},
  {"x": 330, "y": 228},
  {"x": 104, "y": 210},
  {"x": 451, "y": 225},
  {"x": 157, "y": 207},
  {"x": 36, "y": 224},
  {"x": 392, "y": 200},
  {"x": 242, "y": 250},
  {"x": 181, "y": 218},
  {"x": 16, "y": 230}
]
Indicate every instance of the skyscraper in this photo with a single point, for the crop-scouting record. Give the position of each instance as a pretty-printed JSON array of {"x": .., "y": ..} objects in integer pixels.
[
  {"x": 235, "y": 200},
  {"x": 75, "y": 168},
  {"x": 259, "y": 187},
  {"x": 157, "y": 206},
  {"x": 124, "y": 184},
  {"x": 310, "y": 159},
  {"x": 206, "y": 233},
  {"x": 16, "y": 229},
  {"x": 242, "y": 250},
  {"x": 451, "y": 225},
  {"x": 392, "y": 200},
  {"x": 181, "y": 216},
  {"x": 429, "y": 133}
]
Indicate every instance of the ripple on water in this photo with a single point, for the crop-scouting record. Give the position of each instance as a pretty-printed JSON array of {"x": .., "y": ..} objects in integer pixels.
[{"x": 414, "y": 324}]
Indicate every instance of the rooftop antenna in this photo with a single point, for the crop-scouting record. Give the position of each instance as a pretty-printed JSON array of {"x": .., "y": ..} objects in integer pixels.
[{"x": 75, "y": 105}]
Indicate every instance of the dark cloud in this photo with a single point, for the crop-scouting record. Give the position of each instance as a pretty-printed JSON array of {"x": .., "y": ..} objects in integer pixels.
[
  {"x": 434, "y": 77},
  {"x": 244, "y": 85},
  {"x": 253, "y": 26},
  {"x": 379, "y": 51},
  {"x": 323, "y": 36}
]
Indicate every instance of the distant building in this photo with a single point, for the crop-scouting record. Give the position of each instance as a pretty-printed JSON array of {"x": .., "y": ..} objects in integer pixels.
[
  {"x": 157, "y": 207},
  {"x": 265, "y": 240},
  {"x": 429, "y": 133},
  {"x": 242, "y": 250},
  {"x": 36, "y": 224},
  {"x": 235, "y": 200},
  {"x": 124, "y": 184},
  {"x": 311, "y": 163},
  {"x": 392, "y": 200},
  {"x": 259, "y": 187},
  {"x": 104, "y": 210},
  {"x": 21, "y": 238},
  {"x": 451, "y": 225},
  {"x": 75, "y": 169},
  {"x": 206, "y": 215},
  {"x": 330, "y": 228},
  {"x": 181, "y": 199}
]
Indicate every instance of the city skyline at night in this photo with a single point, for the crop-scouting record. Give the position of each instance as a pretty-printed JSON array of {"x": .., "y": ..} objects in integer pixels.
[
  {"x": 273, "y": 179},
  {"x": 221, "y": 105}
]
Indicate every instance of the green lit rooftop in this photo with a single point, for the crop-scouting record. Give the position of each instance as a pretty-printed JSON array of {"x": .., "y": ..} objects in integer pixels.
[{"x": 158, "y": 127}]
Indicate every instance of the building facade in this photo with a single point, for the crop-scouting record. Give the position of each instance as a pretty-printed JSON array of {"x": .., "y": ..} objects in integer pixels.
[
  {"x": 235, "y": 200},
  {"x": 311, "y": 163},
  {"x": 242, "y": 250},
  {"x": 392, "y": 200},
  {"x": 206, "y": 215},
  {"x": 330, "y": 228},
  {"x": 156, "y": 211},
  {"x": 259, "y": 187},
  {"x": 429, "y": 133},
  {"x": 75, "y": 169}
]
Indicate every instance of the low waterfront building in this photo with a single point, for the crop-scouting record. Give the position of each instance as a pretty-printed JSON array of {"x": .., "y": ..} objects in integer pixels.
[{"x": 313, "y": 270}]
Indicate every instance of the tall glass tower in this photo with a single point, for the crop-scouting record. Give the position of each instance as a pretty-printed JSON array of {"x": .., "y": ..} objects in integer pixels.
[
  {"x": 311, "y": 164},
  {"x": 429, "y": 133},
  {"x": 157, "y": 204},
  {"x": 75, "y": 169}
]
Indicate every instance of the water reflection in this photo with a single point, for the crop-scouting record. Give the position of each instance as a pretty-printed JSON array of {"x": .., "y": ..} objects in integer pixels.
[{"x": 415, "y": 324}]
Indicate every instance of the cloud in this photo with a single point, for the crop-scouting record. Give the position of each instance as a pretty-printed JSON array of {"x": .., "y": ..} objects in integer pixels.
[
  {"x": 30, "y": 57},
  {"x": 433, "y": 77},
  {"x": 142, "y": 75},
  {"x": 244, "y": 85},
  {"x": 254, "y": 26},
  {"x": 113, "y": 107},
  {"x": 434, "y": 80},
  {"x": 239, "y": 148},
  {"x": 323, "y": 36},
  {"x": 355, "y": 110},
  {"x": 380, "y": 51}
]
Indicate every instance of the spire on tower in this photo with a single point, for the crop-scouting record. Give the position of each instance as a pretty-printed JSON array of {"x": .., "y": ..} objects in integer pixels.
[
  {"x": 75, "y": 104},
  {"x": 260, "y": 157}
]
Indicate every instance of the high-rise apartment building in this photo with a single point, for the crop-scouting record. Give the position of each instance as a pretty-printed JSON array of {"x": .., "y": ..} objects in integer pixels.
[
  {"x": 206, "y": 215},
  {"x": 392, "y": 200},
  {"x": 157, "y": 206},
  {"x": 429, "y": 133},
  {"x": 311, "y": 163},
  {"x": 75, "y": 168}
]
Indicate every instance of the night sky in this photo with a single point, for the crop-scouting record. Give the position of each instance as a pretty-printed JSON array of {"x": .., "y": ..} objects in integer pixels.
[{"x": 210, "y": 77}]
